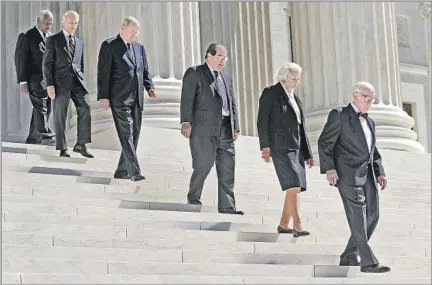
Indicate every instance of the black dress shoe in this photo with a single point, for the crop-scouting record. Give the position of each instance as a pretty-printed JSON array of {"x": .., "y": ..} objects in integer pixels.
[
  {"x": 64, "y": 153},
  {"x": 300, "y": 234},
  {"x": 350, "y": 260},
  {"x": 375, "y": 268},
  {"x": 284, "y": 231},
  {"x": 137, "y": 177},
  {"x": 47, "y": 141},
  {"x": 82, "y": 149},
  {"x": 231, "y": 211},
  {"x": 196, "y": 202}
]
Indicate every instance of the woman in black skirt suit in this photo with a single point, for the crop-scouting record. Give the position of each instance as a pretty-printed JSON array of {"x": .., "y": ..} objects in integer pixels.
[{"x": 282, "y": 136}]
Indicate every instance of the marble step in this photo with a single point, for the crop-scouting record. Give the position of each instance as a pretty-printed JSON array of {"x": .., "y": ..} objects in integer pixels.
[
  {"x": 161, "y": 174},
  {"x": 175, "y": 200},
  {"x": 156, "y": 209},
  {"x": 45, "y": 278},
  {"x": 139, "y": 235},
  {"x": 75, "y": 183},
  {"x": 194, "y": 269},
  {"x": 311, "y": 208},
  {"x": 264, "y": 172}
]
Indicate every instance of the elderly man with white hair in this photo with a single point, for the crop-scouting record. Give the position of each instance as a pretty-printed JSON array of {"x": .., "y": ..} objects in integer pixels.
[
  {"x": 122, "y": 76},
  {"x": 63, "y": 74},
  {"x": 351, "y": 161},
  {"x": 282, "y": 136}
]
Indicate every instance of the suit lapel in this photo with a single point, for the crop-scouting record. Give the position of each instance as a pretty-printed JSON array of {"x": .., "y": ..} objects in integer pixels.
[
  {"x": 78, "y": 47},
  {"x": 210, "y": 79},
  {"x": 355, "y": 123},
  {"x": 372, "y": 128},
  {"x": 284, "y": 96}
]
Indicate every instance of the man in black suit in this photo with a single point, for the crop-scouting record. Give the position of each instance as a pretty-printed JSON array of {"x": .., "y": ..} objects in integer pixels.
[
  {"x": 351, "y": 162},
  {"x": 208, "y": 115},
  {"x": 63, "y": 73},
  {"x": 29, "y": 50},
  {"x": 122, "y": 76}
]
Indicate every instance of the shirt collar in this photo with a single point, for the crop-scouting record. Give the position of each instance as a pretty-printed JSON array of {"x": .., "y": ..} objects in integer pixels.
[
  {"x": 211, "y": 69},
  {"x": 66, "y": 34},
  {"x": 286, "y": 91},
  {"x": 40, "y": 32},
  {"x": 355, "y": 108}
]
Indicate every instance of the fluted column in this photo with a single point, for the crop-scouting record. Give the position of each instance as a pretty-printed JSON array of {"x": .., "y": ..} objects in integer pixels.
[
  {"x": 339, "y": 44},
  {"x": 173, "y": 33}
]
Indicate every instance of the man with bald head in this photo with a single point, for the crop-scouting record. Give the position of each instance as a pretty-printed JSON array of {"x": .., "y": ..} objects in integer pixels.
[
  {"x": 122, "y": 76},
  {"x": 28, "y": 65},
  {"x": 63, "y": 73}
]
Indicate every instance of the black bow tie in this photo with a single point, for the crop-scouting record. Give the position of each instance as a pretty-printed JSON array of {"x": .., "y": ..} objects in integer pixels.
[{"x": 364, "y": 115}]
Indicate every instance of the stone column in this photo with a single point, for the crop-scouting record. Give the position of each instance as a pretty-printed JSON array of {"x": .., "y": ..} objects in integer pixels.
[
  {"x": 339, "y": 44},
  {"x": 17, "y": 17},
  {"x": 173, "y": 38}
]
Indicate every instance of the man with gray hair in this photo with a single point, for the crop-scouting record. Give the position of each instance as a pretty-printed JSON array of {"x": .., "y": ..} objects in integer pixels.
[
  {"x": 351, "y": 161},
  {"x": 29, "y": 50},
  {"x": 63, "y": 71},
  {"x": 122, "y": 76}
]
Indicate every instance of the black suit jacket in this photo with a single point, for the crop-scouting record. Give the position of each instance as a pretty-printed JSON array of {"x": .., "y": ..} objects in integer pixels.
[
  {"x": 342, "y": 146},
  {"x": 57, "y": 69},
  {"x": 201, "y": 104},
  {"x": 118, "y": 74},
  {"x": 277, "y": 122},
  {"x": 29, "y": 51}
]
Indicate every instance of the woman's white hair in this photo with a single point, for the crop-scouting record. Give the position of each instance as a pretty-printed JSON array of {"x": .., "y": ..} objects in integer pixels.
[
  {"x": 363, "y": 85},
  {"x": 285, "y": 69}
]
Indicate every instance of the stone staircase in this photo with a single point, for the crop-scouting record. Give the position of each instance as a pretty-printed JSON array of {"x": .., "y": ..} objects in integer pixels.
[{"x": 66, "y": 221}]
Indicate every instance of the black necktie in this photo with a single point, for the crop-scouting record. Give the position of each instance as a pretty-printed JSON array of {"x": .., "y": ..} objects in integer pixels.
[
  {"x": 71, "y": 48},
  {"x": 364, "y": 115},
  {"x": 130, "y": 52}
]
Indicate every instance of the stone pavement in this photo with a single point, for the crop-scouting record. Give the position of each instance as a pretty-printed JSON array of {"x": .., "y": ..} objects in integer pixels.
[{"x": 66, "y": 221}]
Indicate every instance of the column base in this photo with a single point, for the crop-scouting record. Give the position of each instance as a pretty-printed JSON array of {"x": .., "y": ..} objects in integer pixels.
[{"x": 393, "y": 128}]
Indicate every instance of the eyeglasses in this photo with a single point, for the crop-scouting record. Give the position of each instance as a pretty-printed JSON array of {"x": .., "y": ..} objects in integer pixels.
[
  {"x": 221, "y": 57},
  {"x": 367, "y": 98}
]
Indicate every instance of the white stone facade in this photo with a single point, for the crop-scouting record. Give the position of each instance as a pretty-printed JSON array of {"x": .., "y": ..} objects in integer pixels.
[{"x": 337, "y": 44}]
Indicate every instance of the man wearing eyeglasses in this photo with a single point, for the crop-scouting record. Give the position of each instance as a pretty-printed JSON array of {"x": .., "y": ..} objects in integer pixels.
[
  {"x": 209, "y": 119},
  {"x": 351, "y": 161}
]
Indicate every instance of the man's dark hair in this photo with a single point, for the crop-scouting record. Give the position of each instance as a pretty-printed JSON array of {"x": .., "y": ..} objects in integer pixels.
[{"x": 212, "y": 48}]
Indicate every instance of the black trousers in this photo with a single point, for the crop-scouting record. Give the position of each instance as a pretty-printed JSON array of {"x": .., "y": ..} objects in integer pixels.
[
  {"x": 206, "y": 151},
  {"x": 39, "y": 129},
  {"x": 361, "y": 206},
  {"x": 81, "y": 100},
  {"x": 127, "y": 120}
]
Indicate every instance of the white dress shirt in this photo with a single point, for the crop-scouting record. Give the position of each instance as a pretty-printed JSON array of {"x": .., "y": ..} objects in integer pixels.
[
  {"x": 293, "y": 103},
  {"x": 366, "y": 128},
  {"x": 224, "y": 113}
]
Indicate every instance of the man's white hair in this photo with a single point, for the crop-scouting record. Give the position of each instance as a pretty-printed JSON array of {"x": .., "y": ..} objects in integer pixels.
[
  {"x": 285, "y": 69},
  {"x": 130, "y": 21},
  {"x": 363, "y": 85},
  {"x": 44, "y": 15},
  {"x": 71, "y": 14}
]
